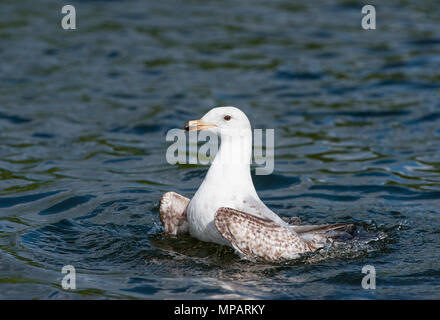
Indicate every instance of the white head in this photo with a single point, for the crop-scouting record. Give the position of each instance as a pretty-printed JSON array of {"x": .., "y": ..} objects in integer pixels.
[
  {"x": 234, "y": 130},
  {"x": 223, "y": 121}
]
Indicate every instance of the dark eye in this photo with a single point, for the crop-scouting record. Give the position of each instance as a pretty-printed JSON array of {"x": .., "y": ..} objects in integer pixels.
[{"x": 227, "y": 118}]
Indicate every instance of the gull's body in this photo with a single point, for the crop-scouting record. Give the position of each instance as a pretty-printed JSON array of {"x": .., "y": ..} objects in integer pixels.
[
  {"x": 228, "y": 183},
  {"x": 226, "y": 208}
]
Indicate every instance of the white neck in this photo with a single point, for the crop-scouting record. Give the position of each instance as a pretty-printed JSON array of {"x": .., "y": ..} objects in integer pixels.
[{"x": 231, "y": 165}]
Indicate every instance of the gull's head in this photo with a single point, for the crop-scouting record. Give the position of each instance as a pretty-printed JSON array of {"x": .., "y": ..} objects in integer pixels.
[{"x": 221, "y": 121}]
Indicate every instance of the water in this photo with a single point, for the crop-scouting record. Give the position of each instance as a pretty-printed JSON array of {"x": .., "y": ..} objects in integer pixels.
[{"x": 83, "y": 118}]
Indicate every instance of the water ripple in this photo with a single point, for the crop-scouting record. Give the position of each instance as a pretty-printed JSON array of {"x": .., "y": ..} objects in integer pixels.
[{"x": 83, "y": 121}]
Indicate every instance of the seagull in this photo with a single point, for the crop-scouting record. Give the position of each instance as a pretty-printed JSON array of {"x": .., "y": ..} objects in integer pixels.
[{"x": 226, "y": 208}]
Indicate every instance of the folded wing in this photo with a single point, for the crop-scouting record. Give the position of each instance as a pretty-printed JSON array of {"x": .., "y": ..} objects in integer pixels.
[
  {"x": 259, "y": 238},
  {"x": 172, "y": 213}
]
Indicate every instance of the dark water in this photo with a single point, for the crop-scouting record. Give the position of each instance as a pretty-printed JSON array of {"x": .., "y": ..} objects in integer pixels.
[{"x": 83, "y": 118}]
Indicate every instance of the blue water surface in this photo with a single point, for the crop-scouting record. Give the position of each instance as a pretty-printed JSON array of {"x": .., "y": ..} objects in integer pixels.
[{"x": 84, "y": 114}]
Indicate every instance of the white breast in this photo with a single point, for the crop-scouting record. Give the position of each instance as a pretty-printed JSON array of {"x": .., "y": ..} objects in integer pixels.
[{"x": 201, "y": 212}]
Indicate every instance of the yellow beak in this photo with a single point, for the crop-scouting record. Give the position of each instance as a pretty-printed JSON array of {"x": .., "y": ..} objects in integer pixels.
[{"x": 196, "y": 125}]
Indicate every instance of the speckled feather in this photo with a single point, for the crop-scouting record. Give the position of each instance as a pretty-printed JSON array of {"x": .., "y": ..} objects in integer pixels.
[{"x": 254, "y": 237}]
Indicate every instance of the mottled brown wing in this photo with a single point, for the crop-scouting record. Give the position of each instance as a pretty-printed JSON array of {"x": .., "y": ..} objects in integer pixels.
[
  {"x": 325, "y": 228},
  {"x": 172, "y": 213},
  {"x": 257, "y": 238}
]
